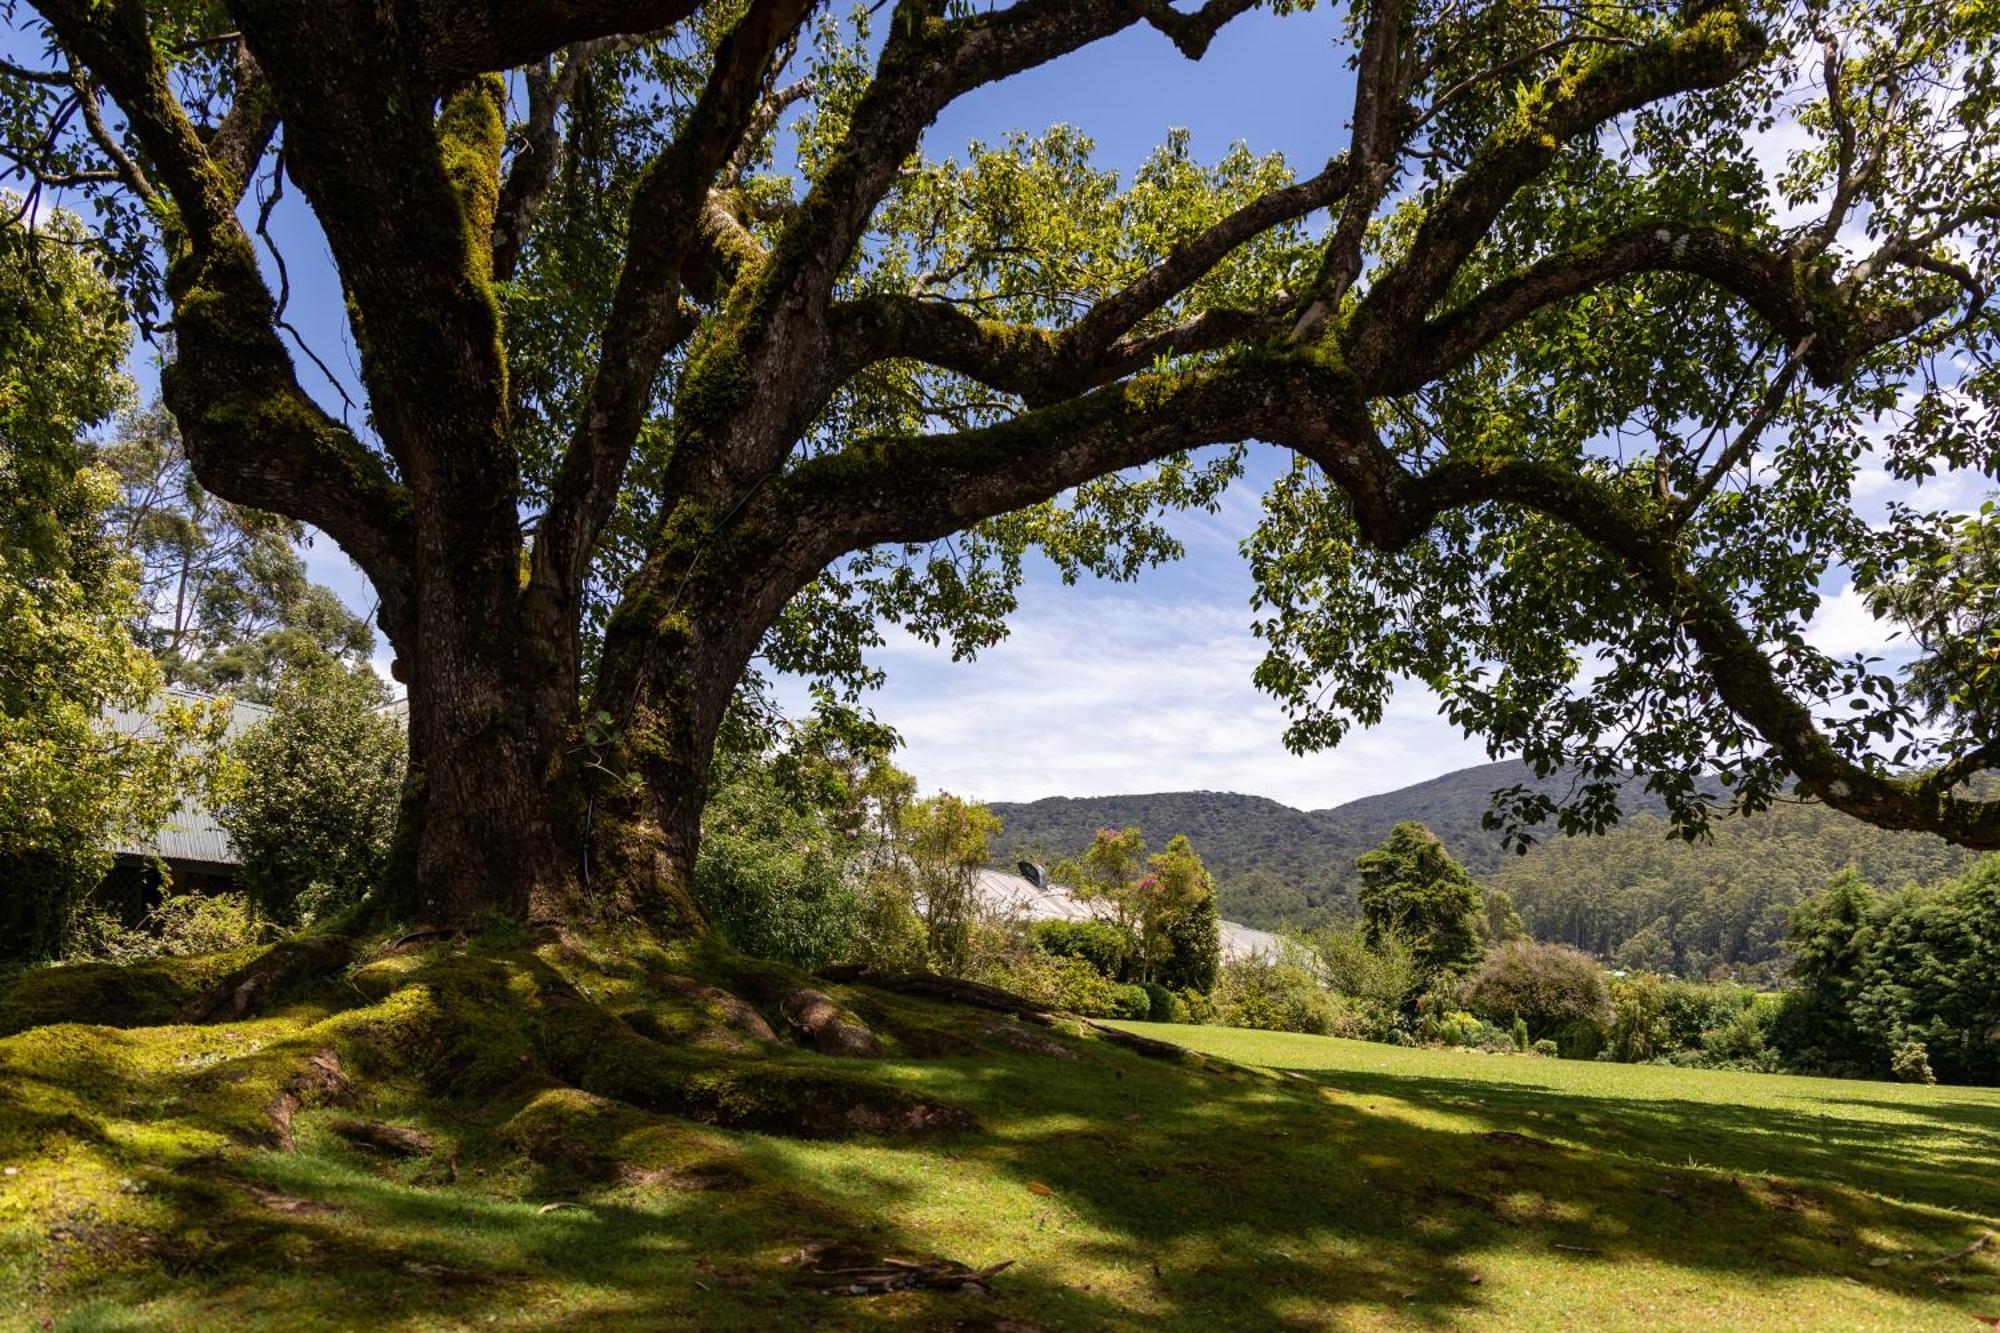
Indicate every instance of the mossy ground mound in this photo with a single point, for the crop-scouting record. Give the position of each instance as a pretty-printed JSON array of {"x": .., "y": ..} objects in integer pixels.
[{"x": 613, "y": 1133}]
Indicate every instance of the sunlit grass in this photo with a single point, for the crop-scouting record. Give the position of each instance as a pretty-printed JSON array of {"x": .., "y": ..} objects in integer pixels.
[{"x": 1359, "y": 1189}]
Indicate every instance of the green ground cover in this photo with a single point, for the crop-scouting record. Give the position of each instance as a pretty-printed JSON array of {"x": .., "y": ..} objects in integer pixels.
[{"x": 1363, "y": 1186}]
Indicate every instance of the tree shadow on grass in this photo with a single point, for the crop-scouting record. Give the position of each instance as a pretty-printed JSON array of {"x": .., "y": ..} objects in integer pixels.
[
  {"x": 1129, "y": 1193},
  {"x": 1949, "y": 1159}
]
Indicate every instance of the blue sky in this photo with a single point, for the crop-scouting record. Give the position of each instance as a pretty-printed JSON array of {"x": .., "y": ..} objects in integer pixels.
[{"x": 1107, "y": 688}]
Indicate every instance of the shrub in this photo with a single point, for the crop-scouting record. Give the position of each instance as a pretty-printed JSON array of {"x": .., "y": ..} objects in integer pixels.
[
  {"x": 1740, "y": 1041},
  {"x": 1131, "y": 1001},
  {"x": 1098, "y": 943},
  {"x": 1520, "y": 1034},
  {"x": 314, "y": 805},
  {"x": 1549, "y": 986},
  {"x": 1062, "y": 983},
  {"x": 1691, "y": 1010},
  {"x": 1382, "y": 973},
  {"x": 1911, "y": 1063},
  {"x": 773, "y": 876},
  {"x": 1547, "y": 1047},
  {"x": 1277, "y": 997},
  {"x": 1638, "y": 1026},
  {"x": 1163, "y": 1006},
  {"x": 181, "y": 925},
  {"x": 1580, "y": 1039}
]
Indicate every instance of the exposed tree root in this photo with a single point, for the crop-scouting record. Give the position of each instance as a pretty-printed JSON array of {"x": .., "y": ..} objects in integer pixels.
[
  {"x": 249, "y": 988},
  {"x": 321, "y": 1082},
  {"x": 739, "y": 1013},
  {"x": 931, "y": 986},
  {"x": 397, "y": 1140},
  {"x": 812, "y": 1016}
]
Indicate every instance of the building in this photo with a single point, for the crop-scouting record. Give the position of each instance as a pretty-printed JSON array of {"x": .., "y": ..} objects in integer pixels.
[
  {"x": 1030, "y": 896},
  {"x": 190, "y": 851}
]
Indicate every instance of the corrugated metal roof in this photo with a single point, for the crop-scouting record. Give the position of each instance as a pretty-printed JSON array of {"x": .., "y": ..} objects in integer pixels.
[
  {"x": 1012, "y": 895},
  {"x": 190, "y": 833}
]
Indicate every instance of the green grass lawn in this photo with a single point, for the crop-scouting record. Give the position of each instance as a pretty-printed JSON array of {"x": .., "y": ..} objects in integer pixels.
[
  {"x": 1365, "y": 1186},
  {"x": 1929, "y": 1145}
]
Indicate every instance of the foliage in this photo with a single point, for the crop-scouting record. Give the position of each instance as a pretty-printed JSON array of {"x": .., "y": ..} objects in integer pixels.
[
  {"x": 1163, "y": 904},
  {"x": 1910, "y": 1063},
  {"x": 946, "y": 839},
  {"x": 1193, "y": 946},
  {"x": 225, "y": 604},
  {"x": 180, "y": 925},
  {"x": 80, "y": 771},
  {"x": 1411, "y": 888},
  {"x": 1276, "y": 996},
  {"x": 1638, "y": 1019},
  {"x": 1543, "y": 985},
  {"x": 1652, "y": 902},
  {"x": 1063, "y": 982},
  {"x": 1500, "y": 920},
  {"x": 1949, "y": 607},
  {"x": 1378, "y": 981},
  {"x": 313, "y": 807},
  {"x": 1163, "y": 1005},
  {"x": 1878, "y": 972},
  {"x": 1098, "y": 943}
]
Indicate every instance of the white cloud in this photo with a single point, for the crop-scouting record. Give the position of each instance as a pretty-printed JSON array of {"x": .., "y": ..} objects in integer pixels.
[
  {"x": 1843, "y": 626},
  {"x": 1102, "y": 690}
]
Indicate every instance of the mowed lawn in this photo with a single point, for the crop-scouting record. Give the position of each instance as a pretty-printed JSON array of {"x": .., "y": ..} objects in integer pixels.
[
  {"x": 1932, "y": 1145},
  {"x": 1360, "y": 1186}
]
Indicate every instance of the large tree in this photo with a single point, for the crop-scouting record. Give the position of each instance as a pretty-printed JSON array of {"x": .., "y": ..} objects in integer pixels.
[{"x": 1560, "y": 372}]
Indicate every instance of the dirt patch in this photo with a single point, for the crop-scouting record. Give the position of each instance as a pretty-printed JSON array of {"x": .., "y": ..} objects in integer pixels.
[{"x": 1508, "y": 1138}]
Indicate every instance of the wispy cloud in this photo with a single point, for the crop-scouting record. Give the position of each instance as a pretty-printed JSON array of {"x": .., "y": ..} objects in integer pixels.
[{"x": 1106, "y": 689}]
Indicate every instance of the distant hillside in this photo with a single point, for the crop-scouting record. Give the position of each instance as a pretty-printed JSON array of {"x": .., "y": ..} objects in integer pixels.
[
  {"x": 1645, "y": 899},
  {"x": 1275, "y": 865}
]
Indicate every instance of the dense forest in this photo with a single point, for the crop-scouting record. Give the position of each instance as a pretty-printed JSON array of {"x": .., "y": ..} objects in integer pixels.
[{"x": 1635, "y": 894}]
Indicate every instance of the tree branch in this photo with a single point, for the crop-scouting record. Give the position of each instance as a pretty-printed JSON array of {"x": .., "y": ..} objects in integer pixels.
[
  {"x": 1743, "y": 675},
  {"x": 1796, "y": 302},
  {"x": 239, "y": 142},
  {"x": 484, "y": 36},
  {"x": 252, "y": 434},
  {"x": 645, "y": 320},
  {"x": 1715, "y": 48}
]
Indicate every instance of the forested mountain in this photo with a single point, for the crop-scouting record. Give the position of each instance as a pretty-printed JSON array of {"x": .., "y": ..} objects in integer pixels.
[
  {"x": 1634, "y": 892},
  {"x": 1275, "y": 864},
  {"x": 1643, "y": 899}
]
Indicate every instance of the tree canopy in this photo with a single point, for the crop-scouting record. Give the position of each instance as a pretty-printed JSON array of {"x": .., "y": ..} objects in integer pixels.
[
  {"x": 72, "y": 781},
  {"x": 1578, "y": 399}
]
